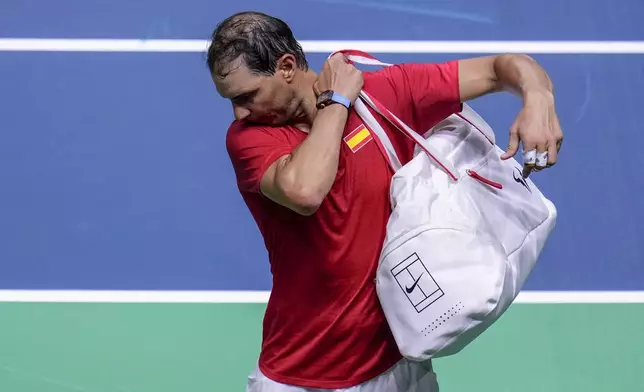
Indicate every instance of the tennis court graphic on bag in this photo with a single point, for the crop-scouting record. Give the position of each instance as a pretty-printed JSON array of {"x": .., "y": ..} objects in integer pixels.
[
  {"x": 465, "y": 232},
  {"x": 416, "y": 281}
]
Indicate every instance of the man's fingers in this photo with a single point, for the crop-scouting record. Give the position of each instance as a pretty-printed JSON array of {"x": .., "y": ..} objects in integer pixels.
[
  {"x": 513, "y": 143},
  {"x": 541, "y": 156},
  {"x": 553, "y": 153},
  {"x": 529, "y": 157},
  {"x": 338, "y": 58},
  {"x": 559, "y": 143},
  {"x": 529, "y": 160}
]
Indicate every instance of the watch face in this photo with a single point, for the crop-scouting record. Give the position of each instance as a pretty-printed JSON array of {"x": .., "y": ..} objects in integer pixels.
[
  {"x": 326, "y": 95},
  {"x": 324, "y": 99}
]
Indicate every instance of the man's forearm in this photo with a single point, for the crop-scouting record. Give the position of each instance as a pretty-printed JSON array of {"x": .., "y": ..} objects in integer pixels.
[
  {"x": 311, "y": 169},
  {"x": 302, "y": 179}
]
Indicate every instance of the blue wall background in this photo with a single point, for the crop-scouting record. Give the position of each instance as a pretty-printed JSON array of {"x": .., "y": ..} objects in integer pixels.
[{"x": 114, "y": 175}]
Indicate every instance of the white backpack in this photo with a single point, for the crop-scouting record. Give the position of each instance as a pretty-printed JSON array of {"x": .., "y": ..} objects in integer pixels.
[{"x": 465, "y": 232}]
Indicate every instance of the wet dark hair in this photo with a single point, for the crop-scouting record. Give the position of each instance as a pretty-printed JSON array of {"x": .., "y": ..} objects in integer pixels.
[{"x": 259, "y": 40}]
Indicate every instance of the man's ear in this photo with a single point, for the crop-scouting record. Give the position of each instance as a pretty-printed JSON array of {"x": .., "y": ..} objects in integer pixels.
[{"x": 287, "y": 66}]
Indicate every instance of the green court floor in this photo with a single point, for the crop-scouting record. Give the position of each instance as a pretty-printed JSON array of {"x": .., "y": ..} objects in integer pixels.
[{"x": 91, "y": 347}]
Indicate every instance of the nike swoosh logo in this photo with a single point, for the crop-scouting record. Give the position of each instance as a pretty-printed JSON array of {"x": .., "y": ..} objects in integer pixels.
[
  {"x": 413, "y": 286},
  {"x": 520, "y": 180}
]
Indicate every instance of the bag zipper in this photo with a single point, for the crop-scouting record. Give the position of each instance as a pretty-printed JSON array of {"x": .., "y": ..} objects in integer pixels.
[{"x": 484, "y": 180}]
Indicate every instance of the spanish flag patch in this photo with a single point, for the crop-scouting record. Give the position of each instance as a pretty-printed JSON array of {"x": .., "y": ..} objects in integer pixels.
[{"x": 358, "y": 138}]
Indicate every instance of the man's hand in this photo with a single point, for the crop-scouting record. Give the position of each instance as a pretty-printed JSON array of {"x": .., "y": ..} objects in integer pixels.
[
  {"x": 301, "y": 180},
  {"x": 340, "y": 76},
  {"x": 537, "y": 126}
]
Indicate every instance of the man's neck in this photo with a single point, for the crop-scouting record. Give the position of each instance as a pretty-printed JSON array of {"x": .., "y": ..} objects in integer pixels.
[{"x": 307, "y": 99}]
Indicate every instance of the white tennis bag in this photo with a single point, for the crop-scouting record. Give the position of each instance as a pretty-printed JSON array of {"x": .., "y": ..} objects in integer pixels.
[{"x": 465, "y": 232}]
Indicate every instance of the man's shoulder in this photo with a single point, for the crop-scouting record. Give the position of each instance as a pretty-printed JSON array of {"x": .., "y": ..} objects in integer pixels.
[
  {"x": 386, "y": 85},
  {"x": 406, "y": 72},
  {"x": 237, "y": 127},
  {"x": 244, "y": 132},
  {"x": 244, "y": 138},
  {"x": 377, "y": 76},
  {"x": 239, "y": 133},
  {"x": 386, "y": 79},
  {"x": 386, "y": 72}
]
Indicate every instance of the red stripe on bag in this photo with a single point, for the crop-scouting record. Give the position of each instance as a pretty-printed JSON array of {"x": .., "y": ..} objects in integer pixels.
[
  {"x": 353, "y": 52},
  {"x": 484, "y": 180}
]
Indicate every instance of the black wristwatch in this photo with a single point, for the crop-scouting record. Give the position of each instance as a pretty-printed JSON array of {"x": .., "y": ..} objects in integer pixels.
[{"x": 329, "y": 97}]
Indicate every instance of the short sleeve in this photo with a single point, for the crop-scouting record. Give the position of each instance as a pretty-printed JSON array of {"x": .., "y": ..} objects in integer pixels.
[
  {"x": 252, "y": 150},
  {"x": 427, "y": 93}
]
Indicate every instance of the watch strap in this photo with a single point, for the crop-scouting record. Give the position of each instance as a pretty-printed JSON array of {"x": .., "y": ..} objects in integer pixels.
[{"x": 341, "y": 99}]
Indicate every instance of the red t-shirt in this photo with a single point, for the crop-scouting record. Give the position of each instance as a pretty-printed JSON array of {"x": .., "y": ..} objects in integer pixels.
[{"x": 323, "y": 326}]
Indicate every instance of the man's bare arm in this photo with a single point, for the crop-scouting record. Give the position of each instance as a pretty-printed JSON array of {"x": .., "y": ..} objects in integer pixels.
[
  {"x": 537, "y": 125},
  {"x": 301, "y": 180},
  {"x": 516, "y": 73}
]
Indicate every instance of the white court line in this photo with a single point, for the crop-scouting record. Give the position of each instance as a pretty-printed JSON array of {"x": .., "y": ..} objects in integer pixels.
[
  {"x": 178, "y": 45},
  {"x": 60, "y": 296},
  {"x": 134, "y": 296}
]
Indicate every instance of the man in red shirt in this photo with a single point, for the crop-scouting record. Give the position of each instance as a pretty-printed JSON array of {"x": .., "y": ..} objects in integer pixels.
[{"x": 317, "y": 185}]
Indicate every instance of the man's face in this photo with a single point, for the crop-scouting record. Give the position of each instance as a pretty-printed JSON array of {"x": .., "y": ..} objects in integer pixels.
[{"x": 258, "y": 99}]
